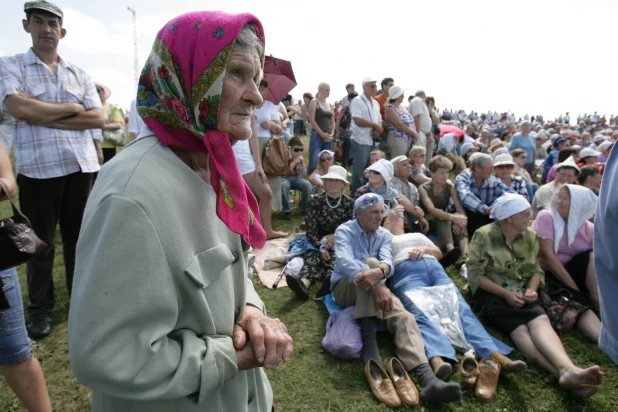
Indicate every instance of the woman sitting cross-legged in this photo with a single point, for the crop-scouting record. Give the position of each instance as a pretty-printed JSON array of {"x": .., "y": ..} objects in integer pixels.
[
  {"x": 436, "y": 195},
  {"x": 565, "y": 238},
  {"x": 324, "y": 215},
  {"x": 504, "y": 275},
  {"x": 416, "y": 266}
]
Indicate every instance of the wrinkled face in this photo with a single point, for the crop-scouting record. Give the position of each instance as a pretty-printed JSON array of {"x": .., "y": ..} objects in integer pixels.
[
  {"x": 370, "y": 218},
  {"x": 503, "y": 171},
  {"x": 440, "y": 175},
  {"x": 563, "y": 203},
  {"x": 403, "y": 170},
  {"x": 370, "y": 89},
  {"x": 485, "y": 171},
  {"x": 375, "y": 178},
  {"x": 45, "y": 29},
  {"x": 334, "y": 185},
  {"x": 326, "y": 161},
  {"x": 240, "y": 95},
  {"x": 520, "y": 220}
]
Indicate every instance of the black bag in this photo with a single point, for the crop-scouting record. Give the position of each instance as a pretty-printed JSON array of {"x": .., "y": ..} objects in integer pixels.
[
  {"x": 18, "y": 242},
  {"x": 346, "y": 118}
]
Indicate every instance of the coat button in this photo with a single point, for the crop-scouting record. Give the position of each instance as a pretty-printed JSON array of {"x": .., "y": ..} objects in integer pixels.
[
  {"x": 236, "y": 256},
  {"x": 250, "y": 399}
]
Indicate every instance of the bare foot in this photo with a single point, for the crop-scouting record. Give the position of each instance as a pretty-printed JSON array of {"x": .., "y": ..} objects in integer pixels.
[
  {"x": 579, "y": 380},
  {"x": 275, "y": 235},
  {"x": 586, "y": 393}
]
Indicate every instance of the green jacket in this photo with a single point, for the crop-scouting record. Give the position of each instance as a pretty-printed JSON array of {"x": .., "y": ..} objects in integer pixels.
[{"x": 159, "y": 283}]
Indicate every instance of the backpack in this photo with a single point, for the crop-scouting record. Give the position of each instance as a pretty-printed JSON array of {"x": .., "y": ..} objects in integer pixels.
[{"x": 346, "y": 119}]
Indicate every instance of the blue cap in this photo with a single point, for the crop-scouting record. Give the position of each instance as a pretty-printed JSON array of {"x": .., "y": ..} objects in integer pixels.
[{"x": 558, "y": 140}]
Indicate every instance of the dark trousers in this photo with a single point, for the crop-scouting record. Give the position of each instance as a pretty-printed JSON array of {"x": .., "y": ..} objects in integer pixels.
[
  {"x": 47, "y": 202},
  {"x": 475, "y": 221},
  {"x": 108, "y": 154},
  {"x": 347, "y": 148}
]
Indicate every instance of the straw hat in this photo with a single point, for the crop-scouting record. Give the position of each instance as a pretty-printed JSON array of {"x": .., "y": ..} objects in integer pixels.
[{"x": 336, "y": 173}]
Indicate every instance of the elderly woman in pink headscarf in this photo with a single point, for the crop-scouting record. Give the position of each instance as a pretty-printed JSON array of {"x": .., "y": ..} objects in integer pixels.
[{"x": 162, "y": 253}]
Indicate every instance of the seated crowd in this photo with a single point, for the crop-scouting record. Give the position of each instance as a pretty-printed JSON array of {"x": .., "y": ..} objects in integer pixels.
[{"x": 521, "y": 225}]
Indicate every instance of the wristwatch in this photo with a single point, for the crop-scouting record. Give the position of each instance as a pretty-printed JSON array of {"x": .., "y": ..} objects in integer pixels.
[{"x": 383, "y": 271}]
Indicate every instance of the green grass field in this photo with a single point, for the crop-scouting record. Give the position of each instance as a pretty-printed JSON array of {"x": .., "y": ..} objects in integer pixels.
[{"x": 314, "y": 380}]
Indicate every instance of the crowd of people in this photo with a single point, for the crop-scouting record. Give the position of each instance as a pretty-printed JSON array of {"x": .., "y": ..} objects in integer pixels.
[{"x": 164, "y": 315}]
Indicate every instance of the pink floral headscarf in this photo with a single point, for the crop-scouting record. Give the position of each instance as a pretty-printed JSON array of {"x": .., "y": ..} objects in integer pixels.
[{"x": 178, "y": 97}]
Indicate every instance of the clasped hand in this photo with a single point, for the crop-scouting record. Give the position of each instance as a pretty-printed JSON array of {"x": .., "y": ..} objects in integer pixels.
[
  {"x": 260, "y": 340},
  {"x": 368, "y": 278}
]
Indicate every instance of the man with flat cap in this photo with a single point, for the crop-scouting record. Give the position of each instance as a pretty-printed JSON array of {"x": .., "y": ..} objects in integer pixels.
[{"x": 55, "y": 104}]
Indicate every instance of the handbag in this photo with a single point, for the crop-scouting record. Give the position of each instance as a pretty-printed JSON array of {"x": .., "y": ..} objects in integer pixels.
[
  {"x": 276, "y": 159},
  {"x": 113, "y": 137},
  {"x": 18, "y": 242}
]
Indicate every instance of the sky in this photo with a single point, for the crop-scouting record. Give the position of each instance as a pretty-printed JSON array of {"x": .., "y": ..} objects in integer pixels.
[{"x": 528, "y": 57}]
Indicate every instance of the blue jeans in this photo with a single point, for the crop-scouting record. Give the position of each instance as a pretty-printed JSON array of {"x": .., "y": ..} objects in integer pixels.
[
  {"x": 413, "y": 274},
  {"x": 360, "y": 154},
  {"x": 316, "y": 145},
  {"x": 296, "y": 183},
  {"x": 532, "y": 188},
  {"x": 15, "y": 346}
]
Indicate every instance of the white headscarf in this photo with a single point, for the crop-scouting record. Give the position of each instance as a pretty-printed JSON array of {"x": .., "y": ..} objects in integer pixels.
[
  {"x": 583, "y": 206},
  {"x": 507, "y": 205}
]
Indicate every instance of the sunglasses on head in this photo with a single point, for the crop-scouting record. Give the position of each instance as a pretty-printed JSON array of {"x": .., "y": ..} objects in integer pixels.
[
  {"x": 505, "y": 167},
  {"x": 298, "y": 149},
  {"x": 324, "y": 159}
]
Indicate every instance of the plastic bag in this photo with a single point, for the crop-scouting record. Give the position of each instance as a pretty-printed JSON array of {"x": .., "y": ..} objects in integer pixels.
[
  {"x": 294, "y": 266},
  {"x": 343, "y": 335},
  {"x": 440, "y": 304}
]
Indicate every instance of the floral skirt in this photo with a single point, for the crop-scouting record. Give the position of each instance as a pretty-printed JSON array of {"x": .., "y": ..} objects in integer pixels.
[{"x": 316, "y": 270}]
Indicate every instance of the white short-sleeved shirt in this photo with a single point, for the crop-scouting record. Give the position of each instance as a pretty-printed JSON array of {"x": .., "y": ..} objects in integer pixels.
[
  {"x": 43, "y": 152},
  {"x": 418, "y": 107},
  {"x": 244, "y": 157},
  {"x": 402, "y": 244},
  {"x": 268, "y": 111},
  {"x": 135, "y": 120},
  {"x": 365, "y": 109}
]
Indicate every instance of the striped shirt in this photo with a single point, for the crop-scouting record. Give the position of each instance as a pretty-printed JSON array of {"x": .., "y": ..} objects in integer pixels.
[
  {"x": 42, "y": 152},
  {"x": 479, "y": 199}
]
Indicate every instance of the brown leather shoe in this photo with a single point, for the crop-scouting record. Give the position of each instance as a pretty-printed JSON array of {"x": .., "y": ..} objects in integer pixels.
[
  {"x": 381, "y": 385},
  {"x": 441, "y": 369},
  {"x": 403, "y": 384},
  {"x": 487, "y": 382},
  {"x": 508, "y": 365},
  {"x": 469, "y": 370}
]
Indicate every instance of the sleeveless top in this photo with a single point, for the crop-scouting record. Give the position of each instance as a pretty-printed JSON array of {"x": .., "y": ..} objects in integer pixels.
[
  {"x": 323, "y": 118},
  {"x": 406, "y": 118},
  {"x": 439, "y": 202}
]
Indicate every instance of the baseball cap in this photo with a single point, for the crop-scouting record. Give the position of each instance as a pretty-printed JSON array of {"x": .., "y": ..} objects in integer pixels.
[
  {"x": 398, "y": 159},
  {"x": 587, "y": 152},
  {"x": 558, "y": 140},
  {"x": 44, "y": 6},
  {"x": 369, "y": 80}
]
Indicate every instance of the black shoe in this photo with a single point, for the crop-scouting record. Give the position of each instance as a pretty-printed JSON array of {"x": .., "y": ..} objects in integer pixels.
[
  {"x": 297, "y": 286},
  {"x": 450, "y": 257},
  {"x": 39, "y": 326},
  {"x": 287, "y": 215}
]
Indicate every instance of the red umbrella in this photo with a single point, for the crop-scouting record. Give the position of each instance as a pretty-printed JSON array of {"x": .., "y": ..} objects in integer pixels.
[
  {"x": 449, "y": 128},
  {"x": 280, "y": 78}
]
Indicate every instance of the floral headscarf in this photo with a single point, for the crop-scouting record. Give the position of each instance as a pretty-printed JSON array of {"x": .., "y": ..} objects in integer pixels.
[{"x": 178, "y": 97}]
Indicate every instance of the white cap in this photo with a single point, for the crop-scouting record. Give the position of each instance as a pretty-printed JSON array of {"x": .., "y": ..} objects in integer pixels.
[
  {"x": 570, "y": 162},
  {"x": 588, "y": 152},
  {"x": 369, "y": 80},
  {"x": 503, "y": 159},
  {"x": 396, "y": 91},
  {"x": 399, "y": 159},
  {"x": 604, "y": 146},
  {"x": 599, "y": 138},
  {"x": 385, "y": 168}
]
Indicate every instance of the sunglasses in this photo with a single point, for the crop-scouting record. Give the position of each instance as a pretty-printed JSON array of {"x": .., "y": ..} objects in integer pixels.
[
  {"x": 298, "y": 149},
  {"x": 325, "y": 159},
  {"x": 523, "y": 157},
  {"x": 374, "y": 86},
  {"x": 504, "y": 167}
]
